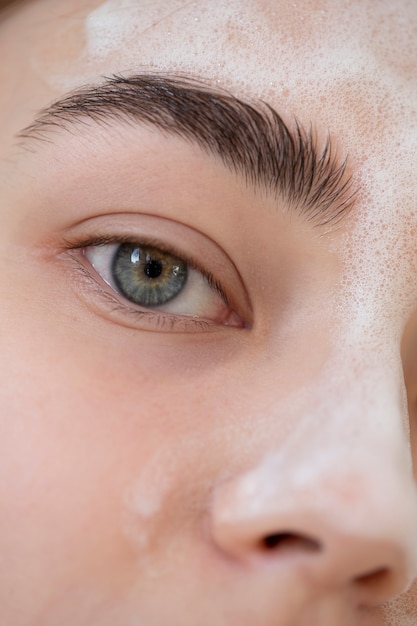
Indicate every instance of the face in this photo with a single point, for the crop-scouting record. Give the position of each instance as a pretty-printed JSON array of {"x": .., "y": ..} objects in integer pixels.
[{"x": 209, "y": 313}]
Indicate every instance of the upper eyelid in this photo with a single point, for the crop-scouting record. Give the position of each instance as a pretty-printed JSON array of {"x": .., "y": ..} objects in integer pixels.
[{"x": 290, "y": 160}]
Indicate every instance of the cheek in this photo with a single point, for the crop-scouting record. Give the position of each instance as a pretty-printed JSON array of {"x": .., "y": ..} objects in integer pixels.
[
  {"x": 69, "y": 450},
  {"x": 56, "y": 527},
  {"x": 94, "y": 455}
]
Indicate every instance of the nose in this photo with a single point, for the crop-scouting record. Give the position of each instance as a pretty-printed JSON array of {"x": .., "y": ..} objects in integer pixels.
[
  {"x": 331, "y": 520},
  {"x": 348, "y": 542}
]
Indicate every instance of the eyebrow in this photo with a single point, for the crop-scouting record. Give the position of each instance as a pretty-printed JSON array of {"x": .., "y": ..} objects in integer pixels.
[{"x": 251, "y": 140}]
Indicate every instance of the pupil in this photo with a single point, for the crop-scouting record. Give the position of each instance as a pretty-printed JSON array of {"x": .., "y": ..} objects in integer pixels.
[
  {"x": 153, "y": 269},
  {"x": 148, "y": 276}
]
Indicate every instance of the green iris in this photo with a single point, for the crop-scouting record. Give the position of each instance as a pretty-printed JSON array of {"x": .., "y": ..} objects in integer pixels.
[{"x": 148, "y": 276}]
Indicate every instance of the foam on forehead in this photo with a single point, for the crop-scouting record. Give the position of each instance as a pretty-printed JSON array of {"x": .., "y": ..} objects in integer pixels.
[{"x": 287, "y": 43}]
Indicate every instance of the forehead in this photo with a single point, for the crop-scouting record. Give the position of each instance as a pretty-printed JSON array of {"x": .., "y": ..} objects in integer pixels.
[
  {"x": 344, "y": 65},
  {"x": 347, "y": 67},
  {"x": 230, "y": 38}
]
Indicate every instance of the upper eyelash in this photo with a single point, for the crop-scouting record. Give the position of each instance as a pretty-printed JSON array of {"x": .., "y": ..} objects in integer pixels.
[{"x": 102, "y": 240}]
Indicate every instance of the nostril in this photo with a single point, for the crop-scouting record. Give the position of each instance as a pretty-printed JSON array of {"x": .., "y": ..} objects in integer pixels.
[
  {"x": 377, "y": 580},
  {"x": 289, "y": 542}
]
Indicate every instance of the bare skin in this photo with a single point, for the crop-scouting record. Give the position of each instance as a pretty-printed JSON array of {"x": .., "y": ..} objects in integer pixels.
[{"x": 232, "y": 461}]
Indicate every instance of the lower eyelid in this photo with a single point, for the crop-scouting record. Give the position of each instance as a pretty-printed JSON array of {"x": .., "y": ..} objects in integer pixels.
[{"x": 132, "y": 317}]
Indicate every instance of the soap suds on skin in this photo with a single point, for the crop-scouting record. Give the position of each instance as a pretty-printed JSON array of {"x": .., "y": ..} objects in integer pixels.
[
  {"x": 145, "y": 498},
  {"x": 111, "y": 25}
]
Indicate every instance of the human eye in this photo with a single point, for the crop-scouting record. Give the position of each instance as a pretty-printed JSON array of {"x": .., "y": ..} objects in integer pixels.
[
  {"x": 155, "y": 285},
  {"x": 157, "y": 280}
]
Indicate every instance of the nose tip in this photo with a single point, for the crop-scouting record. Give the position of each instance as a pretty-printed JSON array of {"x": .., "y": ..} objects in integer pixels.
[
  {"x": 371, "y": 553},
  {"x": 375, "y": 570}
]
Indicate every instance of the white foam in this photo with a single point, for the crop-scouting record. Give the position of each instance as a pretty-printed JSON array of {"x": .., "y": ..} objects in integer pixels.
[{"x": 145, "y": 498}]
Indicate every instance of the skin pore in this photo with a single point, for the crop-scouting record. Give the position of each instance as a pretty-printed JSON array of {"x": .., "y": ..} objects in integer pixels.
[{"x": 244, "y": 454}]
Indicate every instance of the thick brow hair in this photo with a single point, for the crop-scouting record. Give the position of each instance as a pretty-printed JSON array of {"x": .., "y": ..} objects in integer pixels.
[{"x": 251, "y": 140}]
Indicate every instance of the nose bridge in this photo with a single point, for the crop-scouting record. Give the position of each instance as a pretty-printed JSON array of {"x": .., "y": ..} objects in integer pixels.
[
  {"x": 351, "y": 420},
  {"x": 338, "y": 492},
  {"x": 355, "y": 406}
]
